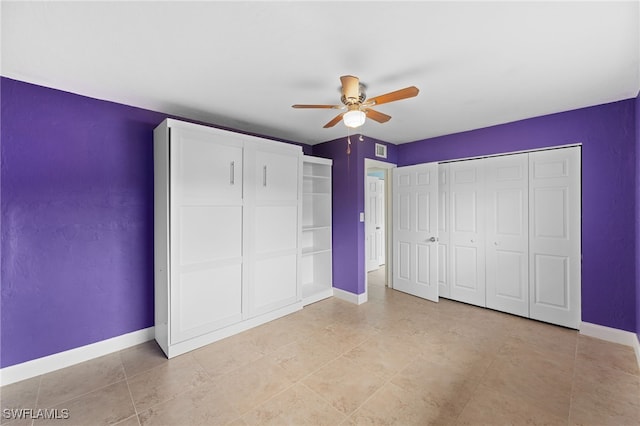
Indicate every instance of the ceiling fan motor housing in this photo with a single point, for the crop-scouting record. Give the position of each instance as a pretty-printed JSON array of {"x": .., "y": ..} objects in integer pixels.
[{"x": 350, "y": 101}]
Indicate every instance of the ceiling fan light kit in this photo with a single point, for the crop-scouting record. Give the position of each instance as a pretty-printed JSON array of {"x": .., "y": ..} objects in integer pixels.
[{"x": 354, "y": 118}]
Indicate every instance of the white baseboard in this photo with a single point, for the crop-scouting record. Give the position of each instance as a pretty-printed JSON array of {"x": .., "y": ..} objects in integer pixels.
[
  {"x": 325, "y": 294},
  {"x": 357, "y": 299},
  {"x": 47, "y": 364},
  {"x": 614, "y": 335}
]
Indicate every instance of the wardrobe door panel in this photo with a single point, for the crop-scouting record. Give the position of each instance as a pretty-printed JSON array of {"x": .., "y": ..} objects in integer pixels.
[
  {"x": 206, "y": 233},
  {"x": 207, "y": 168},
  {"x": 275, "y": 228},
  {"x": 210, "y": 233},
  {"x": 466, "y": 234},
  {"x": 555, "y": 228},
  {"x": 275, "y": 283},
  {"x": 206, "y": 300},
  {"x": 274, "y": 235},
  {"x": 507, "y": 233}
]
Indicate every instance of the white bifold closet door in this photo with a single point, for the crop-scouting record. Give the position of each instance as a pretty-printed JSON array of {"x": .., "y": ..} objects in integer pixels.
[
  {"x": 415, "y": 230},
  {"x": 507, "y": 233},
  {"x": 554, "y": 230},
  {"x": 467, "y": 236}
]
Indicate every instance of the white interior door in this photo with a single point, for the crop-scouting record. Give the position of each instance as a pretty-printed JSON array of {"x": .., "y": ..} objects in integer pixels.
[
  {"x": 554, "y": 249},
  {"x": 467, "y": 257},
  {"x": 380, "y": 221},
  {"x": 507, "y": 233},
  {"x": 415, "y": 230},
  {"x": 372, "y": 224}
]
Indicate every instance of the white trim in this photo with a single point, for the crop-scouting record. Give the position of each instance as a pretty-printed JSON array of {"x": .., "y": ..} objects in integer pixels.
[
  {"x": 47, "y": 364},
  {"x": 324, "y": 294},
  {"x": 614, "y": 335},
  {"x": 501, "y": 154},
  {"x": 205, "y": 339},
  {"x": 388, "y": 167},
  {"x": 357, "y": 299}
]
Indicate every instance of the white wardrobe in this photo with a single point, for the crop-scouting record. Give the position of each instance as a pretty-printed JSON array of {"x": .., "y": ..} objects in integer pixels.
[
  {"x": 508, "y": 233},
  {"x": 227, "y": 233}
]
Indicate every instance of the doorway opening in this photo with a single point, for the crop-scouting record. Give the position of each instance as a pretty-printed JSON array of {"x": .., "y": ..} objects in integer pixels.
[{"x": 377, "y": 213}]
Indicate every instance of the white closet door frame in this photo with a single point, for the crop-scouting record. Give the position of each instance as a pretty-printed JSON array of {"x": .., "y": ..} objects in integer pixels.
[{"x": 388, "y": 219}]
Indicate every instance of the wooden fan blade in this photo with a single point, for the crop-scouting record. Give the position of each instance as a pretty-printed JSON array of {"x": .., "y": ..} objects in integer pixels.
[
  {"x": 350, "y": 86},
  {"x": 377, "y": 116},
  {"x": 333, "y": 122},
  {"x": 317, "y": 106},
  {"x": 407, "y": 92}
]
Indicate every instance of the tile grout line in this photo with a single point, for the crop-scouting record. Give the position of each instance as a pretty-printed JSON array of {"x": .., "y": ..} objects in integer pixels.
[
  {"x": 37, "y": 395},
  {"x": 573, "y": 380}
]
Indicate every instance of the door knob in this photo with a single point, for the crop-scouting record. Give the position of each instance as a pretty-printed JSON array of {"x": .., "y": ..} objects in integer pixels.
[{"x": 433, "y": 239}]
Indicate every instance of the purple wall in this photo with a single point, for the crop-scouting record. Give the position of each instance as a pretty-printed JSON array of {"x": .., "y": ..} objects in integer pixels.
[
  {"x": 637, "y": 123},
  {"x": 348, "y": 202},
  {"x": 77, "y": 220},
  {"x": 608, "y": 193}
]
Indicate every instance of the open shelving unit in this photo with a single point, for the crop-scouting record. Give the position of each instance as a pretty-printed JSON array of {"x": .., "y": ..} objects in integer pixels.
[{"x": 317, "y": 281}]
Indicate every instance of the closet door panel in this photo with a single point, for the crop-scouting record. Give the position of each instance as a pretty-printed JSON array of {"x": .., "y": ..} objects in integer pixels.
[
  {"x": 466, "y": 234},
  {"x": 507, "y": 230},
  {"x": 443, "y": 231},
  {"x": 555, "y": 236}
]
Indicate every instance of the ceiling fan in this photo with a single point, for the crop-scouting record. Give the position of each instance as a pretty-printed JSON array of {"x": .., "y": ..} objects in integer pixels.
[{"x": 357, "y": 106}]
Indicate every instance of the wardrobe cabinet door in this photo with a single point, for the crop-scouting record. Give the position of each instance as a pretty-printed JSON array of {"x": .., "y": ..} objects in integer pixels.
[
  {"x": 274, "y": 232},
  {"x": 507, "y": 233},
  {"x": 206, "y": 234},
  {"x": 276, "y": 176},
  {"x": 467, "y": 232},
  {"x": 554, "y": 227}
]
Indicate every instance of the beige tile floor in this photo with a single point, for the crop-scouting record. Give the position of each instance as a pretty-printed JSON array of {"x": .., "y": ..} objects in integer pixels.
[{"x": 394, "y": 360}]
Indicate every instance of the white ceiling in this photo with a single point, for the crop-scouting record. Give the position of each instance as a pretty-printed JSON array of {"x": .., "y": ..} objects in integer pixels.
[{"x": 243, "y": 64}]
